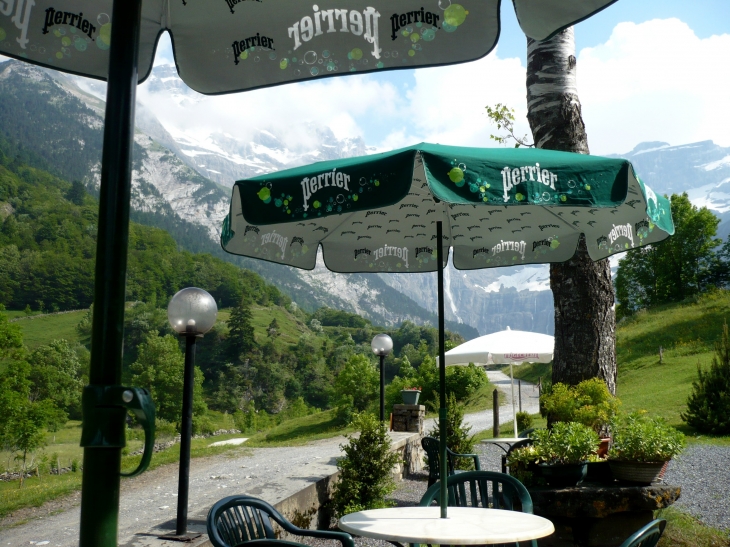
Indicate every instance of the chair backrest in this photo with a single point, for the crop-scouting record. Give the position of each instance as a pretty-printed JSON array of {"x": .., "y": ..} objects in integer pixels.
[
  {"x": 487, "y": 489},
  {"x": 431, "y": 446},
  {"x": 648, "y": 536},
  {"x": 238, "y": 519}
]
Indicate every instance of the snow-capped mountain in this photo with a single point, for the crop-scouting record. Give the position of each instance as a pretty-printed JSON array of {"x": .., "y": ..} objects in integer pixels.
[
  {"x": 221, "y": 156},
  {"x": 702, "y": 169},
  {"x": 178, "y": 165}
]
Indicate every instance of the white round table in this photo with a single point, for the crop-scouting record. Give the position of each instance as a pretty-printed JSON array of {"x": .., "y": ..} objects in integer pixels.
[{"x": 463, "y": 526}]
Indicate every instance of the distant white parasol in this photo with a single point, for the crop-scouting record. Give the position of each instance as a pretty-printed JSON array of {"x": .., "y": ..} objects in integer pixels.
[{"x": 512, "y": 347}]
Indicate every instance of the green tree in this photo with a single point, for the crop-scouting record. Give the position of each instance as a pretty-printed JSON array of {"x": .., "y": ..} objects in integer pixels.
[
  {"x": 23, "y": 422},
  {"x": 11, "y": 337},
  {"x": 241, "y": 340},
  {"x": 366, "y": 469},
  {"x": 55, "y": 374},
  {"x": 457, "y": 434},
  {"x": 76, "y": 193},
  {"x": 273, "y": 330},
  {"x": 358, "y": 382},
  {"x": 674, "y": 269},
  {"x": 708, "y": 406},
  {"x": 159, "y": 367}
]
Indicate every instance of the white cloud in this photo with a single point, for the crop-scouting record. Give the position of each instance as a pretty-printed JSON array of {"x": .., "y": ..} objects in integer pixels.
[
  {"x": 655, "y": 81},
  {"x": 335, "y": 103},
  {"x": 651, "y": 81}
]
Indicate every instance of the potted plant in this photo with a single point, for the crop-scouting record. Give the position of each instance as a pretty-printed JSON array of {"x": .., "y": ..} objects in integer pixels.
[
  {"x": 641, "y": 447},
  {"x": 564, "y": 451},
  {"x": 591, "y": 404},
  {"x": 410, "y": 395},
  {"x": 523, "y": 465}
]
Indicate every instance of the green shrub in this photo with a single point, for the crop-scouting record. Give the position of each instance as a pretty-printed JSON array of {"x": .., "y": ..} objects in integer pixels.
[
  {"x": 637, "y": 437},
  {"x": 163, "y": 429},
  {"x": 524, "y": 421},
  {"x": 708, "y": 406},
  {"x": 457, "y": 434},
  {"x": 366, "y": 468},
  {"x": 565, "y": 443},
  {"x": 589, "y": 403},
  {"x": 463, "y": 381}
]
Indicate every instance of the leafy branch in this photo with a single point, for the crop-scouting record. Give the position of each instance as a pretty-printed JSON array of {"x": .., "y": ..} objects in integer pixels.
[{"x": 504, "y": 118}]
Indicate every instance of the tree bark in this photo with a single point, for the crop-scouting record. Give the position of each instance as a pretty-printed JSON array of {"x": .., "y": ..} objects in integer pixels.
[{"x": 585, "y": 342}]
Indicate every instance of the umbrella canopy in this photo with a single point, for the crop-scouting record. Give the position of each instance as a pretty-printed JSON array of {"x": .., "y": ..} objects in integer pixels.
[
  {"x": 222, "y": 46},
  {"x": 504, "y": 347},
  {"x": 499, "y": 207},
  {"x": 395, "y": 212}
]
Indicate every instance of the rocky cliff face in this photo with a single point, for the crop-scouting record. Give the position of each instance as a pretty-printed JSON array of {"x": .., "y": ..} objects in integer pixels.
[{"x": 181, "y": 178}]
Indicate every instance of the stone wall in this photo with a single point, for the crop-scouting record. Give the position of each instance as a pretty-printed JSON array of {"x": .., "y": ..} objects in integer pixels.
[{"x": 408, "y": 418}]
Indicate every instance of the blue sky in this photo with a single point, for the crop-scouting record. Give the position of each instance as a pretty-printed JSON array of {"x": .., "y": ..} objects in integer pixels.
[{"x": 647, "y": 70}]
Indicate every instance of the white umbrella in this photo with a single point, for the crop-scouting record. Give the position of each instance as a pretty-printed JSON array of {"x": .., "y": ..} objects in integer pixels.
[{"x": 503, "y": 347}]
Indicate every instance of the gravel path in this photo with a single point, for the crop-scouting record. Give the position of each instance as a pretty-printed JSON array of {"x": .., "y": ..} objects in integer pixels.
[
  {"x": 703, "y": 472},
  {"x": 151, "y": 499}
]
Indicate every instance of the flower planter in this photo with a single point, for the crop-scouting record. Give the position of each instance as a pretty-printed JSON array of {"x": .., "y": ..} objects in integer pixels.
[
  {"x": 603, "y": 447},
  {"x": 636, "y": 472},
  {"x": 599, "y": 472},
  {"x": 565, "y": 475},
  {"x": 410, "y": 396}
]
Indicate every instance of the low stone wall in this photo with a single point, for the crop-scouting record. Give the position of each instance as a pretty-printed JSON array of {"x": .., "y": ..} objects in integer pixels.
[{"x": 310, "y": 508}]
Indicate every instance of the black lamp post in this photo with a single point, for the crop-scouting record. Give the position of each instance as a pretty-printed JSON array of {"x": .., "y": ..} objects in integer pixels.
[
  {"x": 382, "y": 345},
  {"x": 192, "y": 312}
]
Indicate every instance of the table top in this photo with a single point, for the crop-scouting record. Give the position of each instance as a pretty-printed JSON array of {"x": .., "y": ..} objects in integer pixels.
[
  {"x": 508, "y": 440},
  {"x": 464, "y": 525}
]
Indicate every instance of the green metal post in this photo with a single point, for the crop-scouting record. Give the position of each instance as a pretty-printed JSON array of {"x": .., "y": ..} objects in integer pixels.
[
  {"x": 100, "y": 486},
  {"x": 443, "y": 472}
]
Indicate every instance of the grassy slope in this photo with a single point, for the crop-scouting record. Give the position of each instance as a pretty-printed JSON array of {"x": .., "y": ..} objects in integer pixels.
[
  {"x": 687, "y": 332},
  {"x": 40, "y": 330}
]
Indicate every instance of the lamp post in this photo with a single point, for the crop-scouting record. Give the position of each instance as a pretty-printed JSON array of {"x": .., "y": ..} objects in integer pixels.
[
  {"x": 382, "y": 345},
  {"x": 191, "y": 312}
]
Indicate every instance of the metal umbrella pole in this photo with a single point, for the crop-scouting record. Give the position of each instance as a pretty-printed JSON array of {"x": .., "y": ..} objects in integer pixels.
[
  {"x": 382, "y": 387},
  {"x": 103, "y": 428},
  {"x": 443, "y": 472}
]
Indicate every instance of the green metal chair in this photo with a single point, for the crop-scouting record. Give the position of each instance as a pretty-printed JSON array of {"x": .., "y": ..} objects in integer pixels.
[
  {"x": 648, "y": 536},
  {"x": 431, "y": 446},
  {"x": 487, "y": 489},
  {"x": 244, "y": 520}
]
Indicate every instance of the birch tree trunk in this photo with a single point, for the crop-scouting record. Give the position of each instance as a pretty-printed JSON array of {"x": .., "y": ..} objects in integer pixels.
[{"x": 585, "y": 344}]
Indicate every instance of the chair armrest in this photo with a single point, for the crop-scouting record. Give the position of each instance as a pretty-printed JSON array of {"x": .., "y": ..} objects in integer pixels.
[
  {"x": 475, "y": 457},
  {"x": 342, "y": 537}
]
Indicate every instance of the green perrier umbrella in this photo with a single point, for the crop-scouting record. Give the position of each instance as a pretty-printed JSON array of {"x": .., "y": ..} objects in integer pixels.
[
  {"x": 394, "y": 212},
  {"x": 221, "y": 46}
]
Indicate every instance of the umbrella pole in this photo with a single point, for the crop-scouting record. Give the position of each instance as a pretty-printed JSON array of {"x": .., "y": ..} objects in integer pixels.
[
  {"x": 443, "y": 472},
  {"x": 512, "y": 386},
  {"x": 102, "y": 462}
]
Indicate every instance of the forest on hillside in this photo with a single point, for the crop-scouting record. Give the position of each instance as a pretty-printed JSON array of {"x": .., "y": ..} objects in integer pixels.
[{"x": 266, "y": 359}]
